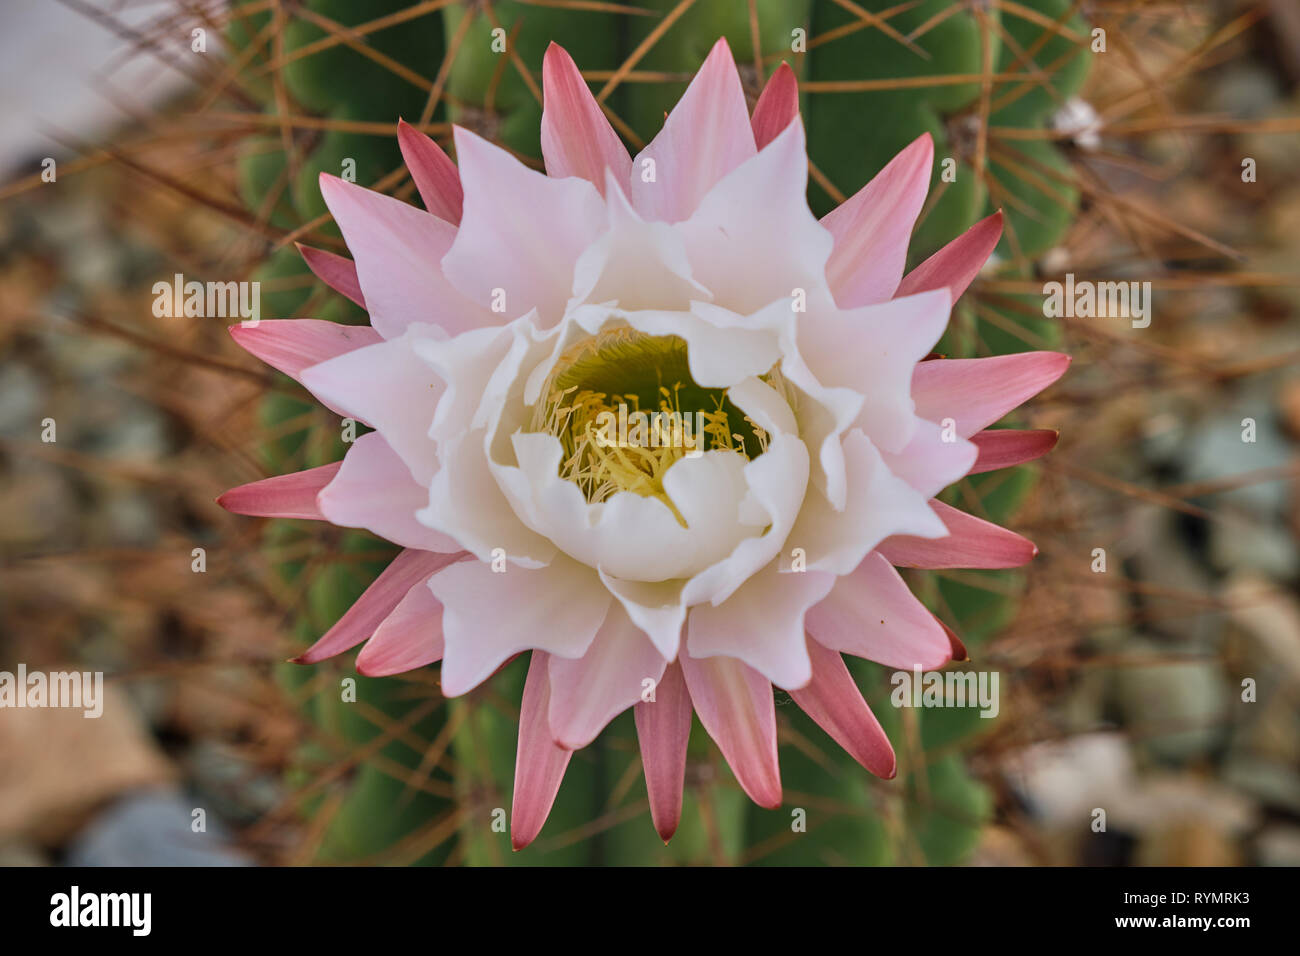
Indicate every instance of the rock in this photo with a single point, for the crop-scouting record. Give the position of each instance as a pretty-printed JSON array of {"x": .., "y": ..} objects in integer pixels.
[
  {"x": 1270, "y": 616},
  {"x": 1176, "y": 708},
  {"x": 1166, "y": 801},
  {"x": 22, "y": 854},
  {"x": 1269, "y": 782},
  {"x": 1063, "y": 781},
  {"x": 60, "y": 766},
  {"x": 1278, "y": 845},
  {"x": 153, "y": 828}
]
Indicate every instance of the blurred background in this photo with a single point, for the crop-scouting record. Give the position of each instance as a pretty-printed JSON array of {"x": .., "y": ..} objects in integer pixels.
[{"x": 1149, "y": 658}]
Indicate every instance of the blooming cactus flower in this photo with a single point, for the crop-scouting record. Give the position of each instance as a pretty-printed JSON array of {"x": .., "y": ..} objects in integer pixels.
[{"x": 523, "y": 316}]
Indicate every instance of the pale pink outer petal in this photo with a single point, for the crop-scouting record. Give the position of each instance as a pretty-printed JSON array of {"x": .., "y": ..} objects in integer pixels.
[
  {"x": 957, "y": 263},
  {"x": 336, "y": 271},
  {"x": 762, "y": 624},
  {"x": 871, "y": 613},
  {"x": 1006, "y": 447},
  {"x": 410, "y": 637},
  {"x": 873, "y": 227},
  {"x": 663, "y": 728},
  {"x": 777, "y": 106},
  {"x": 929, "y": 463},
  {"x": 389, "y": 387},
  {"x": 589, "y": 692},
  {"x": 642, "y": 265},
  {"x": 293, "y": 345},
  {"x": 880, "y": 504},
  {"x": 833, "y": 699},
  {"x": 397, "y": 249},
  {"x": 374, "y": 490},
  {"x": 522, "y": 232},
  {"x": 577, "y": 139},
  {"x": 736, "y": 708},
  {"x": 281, "y": 496},
  {"x": 490, "y": 616},
  {"x": 706, "y": 136},
  {"x": 539, "y": 762},
  {"x": 971, "y": 543},
  {"x": 435, "y": 175},
  {"x": 975, "y": 393},
  {"x": 873, "y": 349},
  {"x": 750, "y": 251},
  {"x": 409, "y": 569}
]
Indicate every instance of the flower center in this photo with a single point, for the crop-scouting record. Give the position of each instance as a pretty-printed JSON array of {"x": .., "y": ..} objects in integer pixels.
[{"x": 625, "y": 409}]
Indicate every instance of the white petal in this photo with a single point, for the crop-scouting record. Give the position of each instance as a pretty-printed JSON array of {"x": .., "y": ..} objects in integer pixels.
[
  {"x": 879, "y": 504},
  {"x": 762, "y": 624},
  {"x": 655, "y": 607},
  {"x": 777, "y": 480},
  {"x": 873, "y": 350},
  {"x": 490, "y": 616},
  {"x": 466, "y": 503}
]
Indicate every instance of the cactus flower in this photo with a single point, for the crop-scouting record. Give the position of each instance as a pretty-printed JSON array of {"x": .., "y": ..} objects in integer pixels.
[{"x": 651, "y": 422}]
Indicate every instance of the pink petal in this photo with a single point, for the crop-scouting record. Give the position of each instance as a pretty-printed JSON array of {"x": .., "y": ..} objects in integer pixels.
[
  {"x": 873, "y": 227},
  {"x": 539, "y": 763},
  {"x": 283, "y": 496},
  {"x": 871, "y": 613},
  {"x": 398, "y": 251},
  {"x": 374, "y": 490},
  {"x": 407, "y": 570},
  {"x": 834, "y": 701},
  {"x": 587, "y": 693},
  {"x": 736, "y": 708},
  {"x": 777, "y": 106},
  {"x": 663, "y": 727},
  {"x": 975, "y": 393},
  {"x": 291, "y": 345},
  {"x": 577, "y": 139},
  {"x": 972, "y": 543},
  {"x": 408, "y": 638},
  {"x": 521, "y": 234},
  {"x": 957, "y": 263},
  {"x": 706, "y": 136},
  {"x": 337, "y": 272},
  {"x": 959, "y": 652},
  {"x": 435, "y": 175},
  {"x": 928, "y": 463},
  {"x": 401, "y": 410},
  {"x": 1005, "y": 447}
]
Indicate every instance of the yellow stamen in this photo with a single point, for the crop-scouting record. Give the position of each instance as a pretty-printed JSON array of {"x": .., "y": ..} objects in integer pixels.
[{"x": 604, "y": 382}]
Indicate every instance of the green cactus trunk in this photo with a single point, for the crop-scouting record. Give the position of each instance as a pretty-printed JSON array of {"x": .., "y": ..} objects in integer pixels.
[{"x": 870, "y": 96}]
